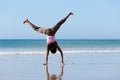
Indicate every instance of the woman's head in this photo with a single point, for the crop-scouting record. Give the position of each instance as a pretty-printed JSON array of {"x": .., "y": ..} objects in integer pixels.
[{"x": 52, "y": 48}]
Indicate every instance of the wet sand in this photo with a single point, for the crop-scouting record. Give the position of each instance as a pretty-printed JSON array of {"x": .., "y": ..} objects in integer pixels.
[{"x": 77, "y": 67}]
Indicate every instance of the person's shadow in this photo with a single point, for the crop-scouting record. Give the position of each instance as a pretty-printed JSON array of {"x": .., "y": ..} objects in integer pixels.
[{"x": 54, "y": 76}]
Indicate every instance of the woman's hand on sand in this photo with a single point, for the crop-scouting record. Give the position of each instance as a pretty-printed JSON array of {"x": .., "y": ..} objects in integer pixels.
[{"x": 45, "y": 64}]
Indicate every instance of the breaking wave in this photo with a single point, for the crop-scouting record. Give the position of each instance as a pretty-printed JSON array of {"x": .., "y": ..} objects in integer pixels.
[{"x": 64, "y": 51}]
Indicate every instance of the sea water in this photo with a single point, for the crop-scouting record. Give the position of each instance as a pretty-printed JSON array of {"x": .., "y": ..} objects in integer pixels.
[{"x": 38, "y": 46}]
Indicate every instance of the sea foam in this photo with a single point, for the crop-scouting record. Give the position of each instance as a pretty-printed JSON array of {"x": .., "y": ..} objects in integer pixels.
[{"x": 64, "y": 51}]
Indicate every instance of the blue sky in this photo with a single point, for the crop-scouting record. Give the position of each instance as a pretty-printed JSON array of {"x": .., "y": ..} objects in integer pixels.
[{"x": 92, "y": 19}]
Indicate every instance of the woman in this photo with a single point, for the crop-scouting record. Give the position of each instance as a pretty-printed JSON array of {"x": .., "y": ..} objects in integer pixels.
[{"x": 50, "y": 32}]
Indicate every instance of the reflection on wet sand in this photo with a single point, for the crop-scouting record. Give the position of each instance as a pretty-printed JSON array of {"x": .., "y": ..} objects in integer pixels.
[{"x": 54, "y": 76}]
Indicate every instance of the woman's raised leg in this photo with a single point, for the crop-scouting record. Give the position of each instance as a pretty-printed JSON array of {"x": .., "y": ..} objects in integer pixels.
[{"x": 57, "y": 26}]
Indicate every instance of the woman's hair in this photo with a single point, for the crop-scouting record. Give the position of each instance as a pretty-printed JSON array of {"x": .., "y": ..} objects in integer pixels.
[{"x": 52, "y": 48}]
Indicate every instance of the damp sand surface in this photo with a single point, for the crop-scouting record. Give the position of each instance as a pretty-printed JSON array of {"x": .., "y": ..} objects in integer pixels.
[{"x": 104, "y": 66}]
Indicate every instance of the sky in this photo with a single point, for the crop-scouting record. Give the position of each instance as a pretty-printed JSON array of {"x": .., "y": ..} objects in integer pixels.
[{"x": 92, "y": 19}]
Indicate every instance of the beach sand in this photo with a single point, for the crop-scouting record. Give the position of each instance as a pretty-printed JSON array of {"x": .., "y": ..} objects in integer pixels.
[{"x": 77, "y": 67}]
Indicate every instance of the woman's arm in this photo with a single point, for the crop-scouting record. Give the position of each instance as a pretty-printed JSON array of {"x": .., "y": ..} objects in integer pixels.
[
  {"x": 47, "y": 54},
  {"x": 60, "y": 50}
]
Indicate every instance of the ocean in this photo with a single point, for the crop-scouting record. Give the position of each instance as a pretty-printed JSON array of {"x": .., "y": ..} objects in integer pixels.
[{"x": 38, "y": 46}]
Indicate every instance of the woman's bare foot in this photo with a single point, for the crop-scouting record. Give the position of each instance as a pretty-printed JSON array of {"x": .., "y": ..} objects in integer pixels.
[
  {"x": 25, "y": 21},
  {"x": 71, "y": 13}
]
